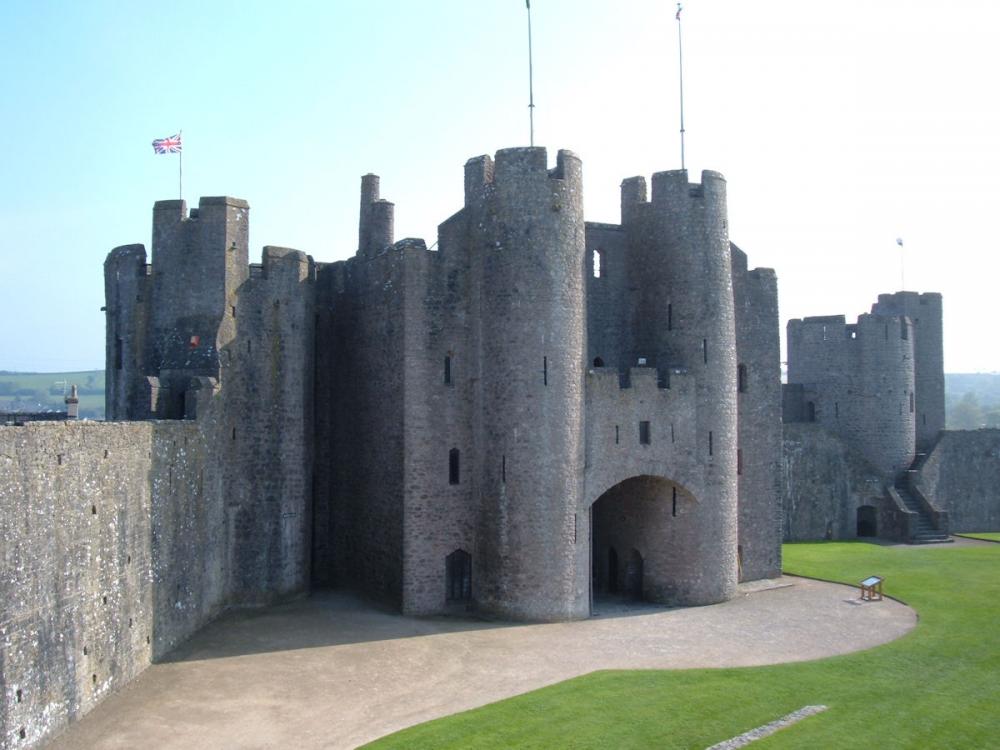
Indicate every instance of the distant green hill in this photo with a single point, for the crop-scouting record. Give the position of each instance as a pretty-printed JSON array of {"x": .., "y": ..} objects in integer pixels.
[
  {"x": 44, "y": 391},
  {"x": 972, "y": 400}
]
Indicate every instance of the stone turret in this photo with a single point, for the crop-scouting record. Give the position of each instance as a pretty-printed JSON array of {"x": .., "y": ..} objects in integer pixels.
[{"x": 527, "y": 230}]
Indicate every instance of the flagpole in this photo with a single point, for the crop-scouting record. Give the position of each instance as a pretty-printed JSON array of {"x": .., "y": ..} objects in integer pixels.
[
  {"x": 180, "y": 167},
  {"x": 680, "y": 69},
  {"x": 531, "y": 79},
  {"x": 902, "y": 275}
]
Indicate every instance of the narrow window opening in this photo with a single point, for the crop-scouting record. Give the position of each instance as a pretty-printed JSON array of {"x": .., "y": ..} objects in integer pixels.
[
  {"x": 453, "y": 466},
  {"x": 598, "y": 264},
  {"x": 59, "y": 459},
  {"x": 911, "y": 402},
  {"x": 128, "y": 560},
  {"x": 575, "y": 521},
  {"x": 673, "y": 507},
  {"x": 22, "y": 734},
  {"x": 93, "y": 679},
  {"x": 447, "y": 370},
  {"x": 704, "y": 350},
  {"x": 130, "y": 622},
  {"x": 739, "y": 461},
  {"x": 598, "y": 362},
  {"x": 904, "y": 332},
  {"x": 671, "y": 432},
  {"x": 617, "y": 437},
  {"x": 93, "y": 510},
  {"x": 741, "y": 378},
  {"x": 233, "y": 310},
  {"x": 503, "y": 469},
  {"x": 710, "y": 442},
  {"x": 85, "y": 651},
  {"x": 234, "y": 433},
  {"x": 670, "y": 317},
  {"x": 104, "y": 600},
  {"x": 644, "y": 433},
  {"x": 118, "y": 353},
  {"x": 545, "y": 370},
  {"x": 20, "y": 696},
  {"x": 105, "y": 452},
  {"x": 249, "y": 346}
]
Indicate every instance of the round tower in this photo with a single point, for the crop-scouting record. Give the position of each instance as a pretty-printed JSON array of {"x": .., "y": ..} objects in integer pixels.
[
  {"x": 682, "y": 315},
  {"x": 885, "y": 403},
  {"x": 527, "y": 238}
]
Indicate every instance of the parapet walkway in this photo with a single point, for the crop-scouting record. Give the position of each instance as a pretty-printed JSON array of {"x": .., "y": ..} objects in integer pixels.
[{"x": 333, "y": 672}]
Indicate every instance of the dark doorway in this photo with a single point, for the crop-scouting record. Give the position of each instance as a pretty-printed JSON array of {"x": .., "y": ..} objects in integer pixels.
[
  {"x": 633, "y": 575},
  {"x": 867, "y": 521},
  {"x": 458, "y": 576},
  {"x": 612, "y": 571}
]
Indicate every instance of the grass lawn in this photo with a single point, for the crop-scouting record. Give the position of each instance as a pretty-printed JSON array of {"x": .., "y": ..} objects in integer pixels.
[
  {"x": 937, "y": 687},
  {"x": 990, "y": 536}
]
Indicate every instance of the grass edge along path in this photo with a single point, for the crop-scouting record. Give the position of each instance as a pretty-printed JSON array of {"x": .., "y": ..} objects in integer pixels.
[
  {"x": 935, "y": 687},
  {"x": 983, "y": 536}
]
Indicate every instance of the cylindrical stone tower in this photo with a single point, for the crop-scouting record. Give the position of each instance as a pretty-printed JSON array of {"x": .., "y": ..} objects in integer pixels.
[
  {"x": 885, "y": 401},
  {"x": 679, "y": 260},
  {"x": 527, "y": 237}
]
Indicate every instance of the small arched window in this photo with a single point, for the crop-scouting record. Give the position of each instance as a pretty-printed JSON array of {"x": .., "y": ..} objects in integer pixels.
[{"x": 598, "y": 362}]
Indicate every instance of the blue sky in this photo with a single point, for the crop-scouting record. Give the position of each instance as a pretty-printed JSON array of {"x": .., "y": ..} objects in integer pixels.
[{"x": 839, "y": 126}]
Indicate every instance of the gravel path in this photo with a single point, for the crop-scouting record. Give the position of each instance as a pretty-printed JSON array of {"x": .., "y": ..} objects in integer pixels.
[{"x": 333, "y": 672}]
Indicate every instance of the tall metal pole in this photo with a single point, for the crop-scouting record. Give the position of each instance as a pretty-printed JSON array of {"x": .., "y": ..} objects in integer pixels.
[
  {"x": 531, "y": 80},
  {"x": 680, "y": 67},
  {"x": 180, "y": 166},
  {"x": 902, "y": 254}
]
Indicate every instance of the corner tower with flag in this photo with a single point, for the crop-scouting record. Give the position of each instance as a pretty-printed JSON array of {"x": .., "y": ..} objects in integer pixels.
[{"x": 172, "y": 145}]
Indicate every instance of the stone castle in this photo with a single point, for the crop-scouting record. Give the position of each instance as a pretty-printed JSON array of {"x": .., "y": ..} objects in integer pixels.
[
  {"x": 865, "y": 448},
  {"x": 537, "y": 416},
  {"x": 540, "y": 410},
  {"x": 538, "y": 413}
]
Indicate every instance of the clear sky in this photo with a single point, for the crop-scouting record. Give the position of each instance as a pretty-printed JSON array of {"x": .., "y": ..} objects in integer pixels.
[{"x": 839, "y": 126}]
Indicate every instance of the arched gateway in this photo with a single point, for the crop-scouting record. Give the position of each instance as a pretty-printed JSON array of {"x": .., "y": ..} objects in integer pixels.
[{"x": 642, "y": 548}]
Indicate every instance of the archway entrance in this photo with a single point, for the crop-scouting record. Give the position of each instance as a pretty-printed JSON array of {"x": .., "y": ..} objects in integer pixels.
[
  {"x": 867, "y": 521},
  {"x": 638, "y": 542}
]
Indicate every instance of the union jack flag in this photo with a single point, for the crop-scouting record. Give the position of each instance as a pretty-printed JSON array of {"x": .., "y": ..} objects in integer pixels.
[{"x": 171, "y": 145}]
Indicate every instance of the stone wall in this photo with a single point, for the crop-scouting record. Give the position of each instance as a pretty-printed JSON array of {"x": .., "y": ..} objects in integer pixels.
[
  {"x": 112, "y": 553},
  {"x": 824, "y": 483},
  {"x": 962, "y": 476}
]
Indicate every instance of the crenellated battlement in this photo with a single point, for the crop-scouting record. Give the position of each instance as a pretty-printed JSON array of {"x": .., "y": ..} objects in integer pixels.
[{"x": 518, "y": 167}]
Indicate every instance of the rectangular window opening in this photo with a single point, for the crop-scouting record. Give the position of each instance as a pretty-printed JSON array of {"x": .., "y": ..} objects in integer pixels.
[
  {"x": 673, "y": 508},
  {"x": 670, "y": 317},
  {"x": 118, "y": 353},
  {"x": 710, "y": 442},
  {"x": 545, "y": 370},
  {"x": 671, "y": 432},
  {"x": 453, "y": 467},
  {"x": 447, "y": 370},
  {"x": 616, "y": 435},
  {"x": 503, "y": 469},
  {"x": 704, "y": 350},
  {"x": 644, "y": 433},
  {"x": 739, "y": 461}
]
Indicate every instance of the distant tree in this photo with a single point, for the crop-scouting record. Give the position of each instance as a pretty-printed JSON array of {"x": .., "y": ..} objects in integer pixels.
[{"x": 966, "y": 414}]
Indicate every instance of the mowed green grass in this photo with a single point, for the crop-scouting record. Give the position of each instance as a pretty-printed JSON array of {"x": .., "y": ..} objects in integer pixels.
[
  {"x": 937, "y": 687},
  {"x": 990, "y": 536}
]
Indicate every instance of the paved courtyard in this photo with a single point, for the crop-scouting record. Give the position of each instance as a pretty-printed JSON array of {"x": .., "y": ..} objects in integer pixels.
[{"x": 332, "y": 671}]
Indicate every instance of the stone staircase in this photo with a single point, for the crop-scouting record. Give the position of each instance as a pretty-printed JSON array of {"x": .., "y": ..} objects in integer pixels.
[{"x": 926, "y": 532}]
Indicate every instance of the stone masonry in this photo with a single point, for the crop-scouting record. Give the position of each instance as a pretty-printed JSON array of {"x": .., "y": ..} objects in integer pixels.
[{"x": 538, "y": 413}]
